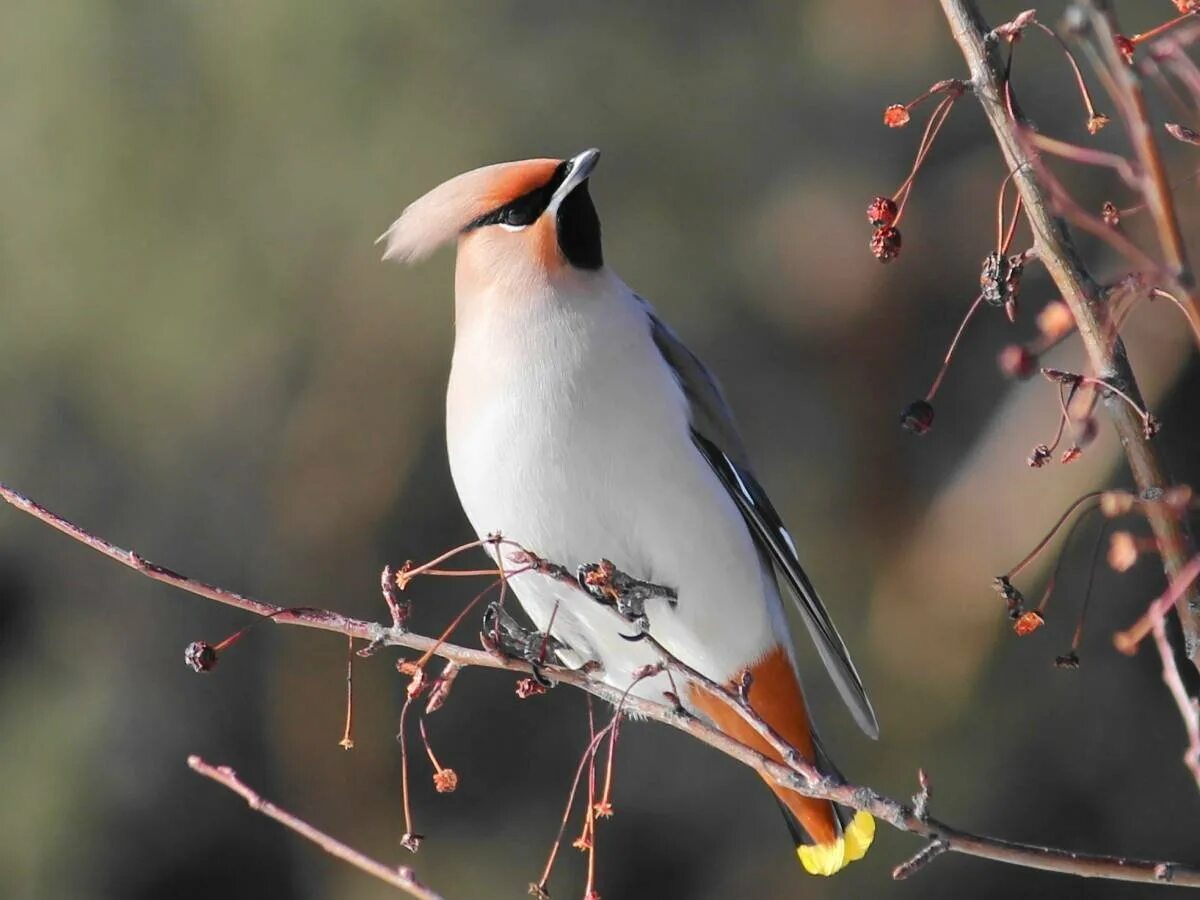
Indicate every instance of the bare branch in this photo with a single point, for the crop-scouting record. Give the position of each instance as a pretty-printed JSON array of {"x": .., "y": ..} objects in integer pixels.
[
  {"x": 794, "y": 774},
  {"x": 399, "y": 876},
  {"x": 1126, "y": 87},
  {"x": 1080, "y": 291}
]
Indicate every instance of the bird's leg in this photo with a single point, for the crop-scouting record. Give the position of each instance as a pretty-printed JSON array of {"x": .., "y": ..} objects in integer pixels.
[
  {"x": 607, "y": 584},
  {"x": 505, "y": 635}
]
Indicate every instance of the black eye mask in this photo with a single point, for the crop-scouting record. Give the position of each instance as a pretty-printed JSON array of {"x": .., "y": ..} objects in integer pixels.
[{"x": 526, "y": 209}]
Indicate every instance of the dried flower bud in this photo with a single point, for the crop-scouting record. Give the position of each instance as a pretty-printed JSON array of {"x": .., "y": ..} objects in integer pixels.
[
  {"x": 1060, "y": 376},
  {"x": 1178, "y": 497},
  {"x": 411, "y": 841},
  {"x": 1017, "y": 361},
  {"x": 1126, "y": 46},
  {"x": 917, "y": 417},
  {"x": 1151, "y": 426},
  {"x": 1183, "y": 133},
  {"x": 419, "y": 679},
  {"x": 1014, "y": 29},
  {"x": 1122, "y": 551},
  {"x": 1116, "y": 503},
  {"x": 896, "y": 116},
  {"x": 529, "y": 687},
  {"x": 885, "y": 243},
  {"x": 1186, "y": 6},
  {"x": 1110, "y": 214},
  {"x": 445, "y": 781},
  {"x": 1071, "y": 454},
  {"x": 1055, "y": 320},
  {"x": 603, "y": 809},
  {"x": 1096, "y": 122},
  {"x": 882, "y": 211},
  {"x": 1027, "y": 623},
  {"x": 1039, "y": 457},
  {"x": 200, "y": 656},
  {"x": 1013, "y": 598}
]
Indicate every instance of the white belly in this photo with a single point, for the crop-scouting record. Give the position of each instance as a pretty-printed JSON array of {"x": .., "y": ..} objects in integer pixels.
[{"x": 567, "y": 434}]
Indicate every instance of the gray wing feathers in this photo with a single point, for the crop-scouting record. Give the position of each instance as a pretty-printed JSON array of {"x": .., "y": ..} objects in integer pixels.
[{"x": 718, "y": 440}]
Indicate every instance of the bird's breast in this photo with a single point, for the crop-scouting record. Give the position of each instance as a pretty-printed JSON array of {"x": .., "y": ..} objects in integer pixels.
[{"x": 568, "y": 433}]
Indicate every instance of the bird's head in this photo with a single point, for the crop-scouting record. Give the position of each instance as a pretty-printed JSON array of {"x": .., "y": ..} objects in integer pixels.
[{"x": 514, "y": 221}]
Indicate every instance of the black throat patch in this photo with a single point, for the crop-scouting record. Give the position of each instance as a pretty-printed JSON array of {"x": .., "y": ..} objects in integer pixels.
[{"x": 579, "y": 230}]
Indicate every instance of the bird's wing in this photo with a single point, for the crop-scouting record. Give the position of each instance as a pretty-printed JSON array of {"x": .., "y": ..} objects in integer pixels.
[{"x": 717, "y": 438}]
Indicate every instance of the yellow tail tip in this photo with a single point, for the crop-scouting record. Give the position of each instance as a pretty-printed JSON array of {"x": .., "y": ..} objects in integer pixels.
[{"x": 827, "y": 859}]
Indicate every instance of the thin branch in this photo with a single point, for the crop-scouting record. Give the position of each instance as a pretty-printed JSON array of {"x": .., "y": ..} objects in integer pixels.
[
  {"x": 1080, "y": 291},
  {"x": 399, "y": 876},
  {"x": 1126, "y": 88},
  {"x": 788, "y": 775},
  {"x": 1188, "y": 710}
]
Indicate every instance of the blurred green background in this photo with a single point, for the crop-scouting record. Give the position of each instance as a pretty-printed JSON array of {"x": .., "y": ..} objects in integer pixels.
[{"x": 202, "y": 358}]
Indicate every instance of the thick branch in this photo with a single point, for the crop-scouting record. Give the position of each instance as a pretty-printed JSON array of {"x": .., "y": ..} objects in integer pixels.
[
  {"x": 796, "y": 776},
  {"x": 1054, "y": 248},
  {"x": 399, "y": 876}
]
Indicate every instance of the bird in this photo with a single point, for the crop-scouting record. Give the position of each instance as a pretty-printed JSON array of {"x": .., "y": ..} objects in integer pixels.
[{"x": 580, "y": 426}]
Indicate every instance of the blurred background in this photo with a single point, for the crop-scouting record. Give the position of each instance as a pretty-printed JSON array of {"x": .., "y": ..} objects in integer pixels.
[{"x": 202, "y": 358}]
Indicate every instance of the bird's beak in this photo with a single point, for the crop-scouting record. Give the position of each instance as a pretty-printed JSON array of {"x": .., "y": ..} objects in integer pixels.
[{"x": 578, "y": 170}]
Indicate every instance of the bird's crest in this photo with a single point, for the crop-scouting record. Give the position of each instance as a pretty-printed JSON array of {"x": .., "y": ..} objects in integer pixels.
[{"x": 445, "y": 212}]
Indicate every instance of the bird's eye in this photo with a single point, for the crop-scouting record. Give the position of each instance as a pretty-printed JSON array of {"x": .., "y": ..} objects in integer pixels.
[{"x": 516, "y": 217}]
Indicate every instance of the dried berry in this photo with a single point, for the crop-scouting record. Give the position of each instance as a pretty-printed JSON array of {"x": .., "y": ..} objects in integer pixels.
[
  {"x": 1070, "y": 662},
  {"x": 1116, "y": 503},
  {"x": 1110, "y": 214},
  {"x": 1039, "y": 457},
  {"x": 885, "y": 243},
  {"x": 445, "y": 781},
  {"x": 917, "y": 417},
  {"x": 200, "y": 655},
  {"x": 1122, "y": 551},
  {"x": 1016, "y": 361},
  {"x": 1096, "y": 122},
  {"x": 896, "y": 116},
  {"x": 993, "y": 276},
  {"x": 1055, "y": 320},
  {"x": 1126, "y": 46},
  {"x": 1027, "y": 623},
  {"x": 882, "y": 211}
]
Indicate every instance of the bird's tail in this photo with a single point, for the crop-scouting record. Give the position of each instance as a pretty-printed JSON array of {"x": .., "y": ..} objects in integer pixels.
[
  {"x": 823, "y": 850},
  {"x": 827, "y": 837}
]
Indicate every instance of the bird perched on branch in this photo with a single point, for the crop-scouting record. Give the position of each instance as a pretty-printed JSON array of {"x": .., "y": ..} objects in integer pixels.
[{"x": 581, "y": 427}]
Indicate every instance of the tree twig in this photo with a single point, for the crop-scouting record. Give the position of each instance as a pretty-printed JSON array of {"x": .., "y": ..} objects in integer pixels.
[
  {"x": 400, "y": 877},
  {"x": 794, "y": 777},
  {"x": 1126, "y": 87},
  {"x": 1081, "y": 293}
]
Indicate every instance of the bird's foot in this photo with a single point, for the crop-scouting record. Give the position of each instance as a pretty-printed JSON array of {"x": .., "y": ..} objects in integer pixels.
[
  {"x": 506, "y": 636},
  {"x": 608, "y": 585}
]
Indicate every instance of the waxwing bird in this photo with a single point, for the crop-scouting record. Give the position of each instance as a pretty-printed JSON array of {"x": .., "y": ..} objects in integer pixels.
[{"x": 579, "y": 426}]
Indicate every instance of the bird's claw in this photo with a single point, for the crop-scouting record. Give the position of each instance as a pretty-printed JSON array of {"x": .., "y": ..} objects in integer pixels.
[
  {"x": 607, "y": 584},
  {"x": 505, "y": 635}
]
